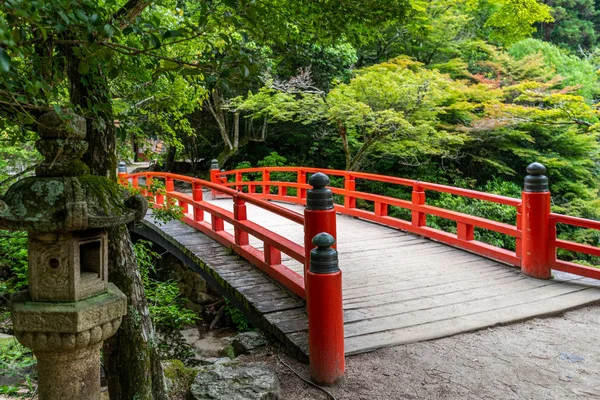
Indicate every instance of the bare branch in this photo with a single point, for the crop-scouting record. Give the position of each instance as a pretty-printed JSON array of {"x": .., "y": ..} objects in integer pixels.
[
  {"x": 301, "y": 83},
  {"x": 130, "y": 11}
]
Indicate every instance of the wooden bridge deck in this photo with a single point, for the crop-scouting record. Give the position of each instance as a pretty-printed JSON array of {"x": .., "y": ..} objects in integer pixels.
[{"x": 398, "y": 287}]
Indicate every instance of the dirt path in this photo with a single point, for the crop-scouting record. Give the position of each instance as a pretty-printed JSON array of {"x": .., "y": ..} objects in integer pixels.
[{"x": 552, "y": 358}]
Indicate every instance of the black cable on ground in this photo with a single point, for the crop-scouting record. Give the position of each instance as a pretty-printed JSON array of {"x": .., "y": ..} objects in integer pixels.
[{"x": 331, "y": 396}]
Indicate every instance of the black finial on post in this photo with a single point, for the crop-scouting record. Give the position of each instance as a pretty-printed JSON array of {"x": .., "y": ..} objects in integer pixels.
[
  {"x": 319, "y": 197},
  {"x": 122, "y": 167},
  {"x": 324, "y": 259},
  {"x": 536, "y": 181},
  {"x": 214, "y": 164}
]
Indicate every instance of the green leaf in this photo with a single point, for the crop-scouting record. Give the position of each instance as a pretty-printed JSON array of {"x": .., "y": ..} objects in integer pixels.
[
  {"x": 96, "y": 19},
  {"x": 170, "y": 65},
  {"x": 4, "y": 61},
  {"x": 154, "y": 41},
  {"x": 109, "y": 30},
  {"x": 171, "y": 34},
  {"x": 64, "y": 17},
  {"x": 192, "y": 71},
  {"x": 113, "y": 73},
  {"x": 84, "y": 68}
]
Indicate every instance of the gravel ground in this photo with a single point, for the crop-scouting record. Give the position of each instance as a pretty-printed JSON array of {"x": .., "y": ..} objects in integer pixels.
[{"x": 551, "y": 358}]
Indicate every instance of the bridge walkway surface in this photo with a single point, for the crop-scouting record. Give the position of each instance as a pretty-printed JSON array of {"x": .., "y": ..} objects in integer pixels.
[{"x": 397, "y": 287}]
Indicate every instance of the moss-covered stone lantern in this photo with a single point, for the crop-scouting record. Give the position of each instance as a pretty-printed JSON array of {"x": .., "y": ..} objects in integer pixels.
[{"x": 70, "y": 308}]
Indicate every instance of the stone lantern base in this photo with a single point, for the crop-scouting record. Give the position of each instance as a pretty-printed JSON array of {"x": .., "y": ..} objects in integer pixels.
[{"x": 66, "y": 339}]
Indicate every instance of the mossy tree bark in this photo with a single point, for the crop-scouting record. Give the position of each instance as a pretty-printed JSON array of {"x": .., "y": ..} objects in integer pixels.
[{"x": 131, "y": 358}]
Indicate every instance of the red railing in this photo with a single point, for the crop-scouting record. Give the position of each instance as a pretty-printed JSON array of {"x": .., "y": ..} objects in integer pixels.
[
  {"x": 556, "y": 243},
  {"x": 464, "y": 238},
  {"x": 194, "y": 208},
  {"x": 531, "y": 251},
  {"x": 465, "y": 223}
]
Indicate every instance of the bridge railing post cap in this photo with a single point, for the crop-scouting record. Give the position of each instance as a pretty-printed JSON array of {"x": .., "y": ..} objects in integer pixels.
[
  {"x": 323, "y": 240},
  {"x": 536, "y": 169},
  {"x": 319, "y": 180},
  {"x": 122, "y": 167},
  {"x": 536, "y": 181},
  {"x": 319, "y": 197},
  {"x": 214, "y": 164},
  {"x": 324, "y": 258}
]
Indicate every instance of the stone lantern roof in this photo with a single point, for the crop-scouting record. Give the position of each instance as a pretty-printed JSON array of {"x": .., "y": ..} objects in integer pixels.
[{"x": 63, "y": 196}]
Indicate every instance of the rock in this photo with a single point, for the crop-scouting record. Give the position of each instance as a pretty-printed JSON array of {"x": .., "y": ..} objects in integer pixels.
[
  {"x": 227, "y": 351},
  {"x": 245, "y": 342},
  {"x": 233, "y": 381},
  {"x": 178, "y": 378},
  {"x": 202, "y": 298},
  {"x": 222, "y": 360}
]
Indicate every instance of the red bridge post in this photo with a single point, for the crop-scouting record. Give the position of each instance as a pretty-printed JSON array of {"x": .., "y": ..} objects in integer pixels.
[
  {"x": 169, "y": 187},
  {"x": 122, "y": 173},
  {"x": 240, "y": 214},
  {"x": 418, "y": 198},
  {"x": 325, "y": 312},
  {"x": 319, "y": 214},
  {"x": 214, "y": 175},
  {"x": 349, "y": 186},
  {"x": 535, "y": 223},
  {"x": 197, "y": 196}
]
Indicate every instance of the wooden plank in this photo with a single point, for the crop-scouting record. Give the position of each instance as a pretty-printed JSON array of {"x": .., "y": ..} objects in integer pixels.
[
  {"x": 411, "y": 264},
  {"x": 285, "y": 303},
  {"x": 431, "y": 299},
  {"x": 425, "y": 316},
  {"x": 420, "y": 283},
  {"x": 468, "y": 269},
  {"x": 468, "y": 323},
  {"x": 423, "y": 291}
]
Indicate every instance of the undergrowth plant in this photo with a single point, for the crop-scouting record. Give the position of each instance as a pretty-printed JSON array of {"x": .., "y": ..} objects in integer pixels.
[
  {"x": 164, "y": 299},
  {"x": 17, "y": 365},
  {"x": 237, "y": 318}
]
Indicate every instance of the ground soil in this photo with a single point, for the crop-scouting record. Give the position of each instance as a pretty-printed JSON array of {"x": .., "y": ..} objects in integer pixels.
[{"x": 550, "y": 358}]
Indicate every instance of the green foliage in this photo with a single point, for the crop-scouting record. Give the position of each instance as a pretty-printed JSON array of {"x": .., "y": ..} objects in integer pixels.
[
  {"x": 237, "y": 318},
  {"x": 13, "y": 267},
  {"x": 514, "y": 20},
  {"x": 479, "y": 208},
  {"x": 168, "y": 211},
  {"x": 18, "y": 362},
  {"x": 575, "y": 25},
  {"x": 167, "y": 306},
  {"x": 273, "y": 160},
  {"x": 574, "y": 71}
]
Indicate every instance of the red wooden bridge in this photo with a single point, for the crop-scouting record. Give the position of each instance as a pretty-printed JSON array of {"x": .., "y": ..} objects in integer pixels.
[{"x": 403, "y": 280}]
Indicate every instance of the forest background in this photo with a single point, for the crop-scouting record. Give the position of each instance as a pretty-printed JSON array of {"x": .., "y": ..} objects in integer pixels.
[{"x": 459, "y": 92}]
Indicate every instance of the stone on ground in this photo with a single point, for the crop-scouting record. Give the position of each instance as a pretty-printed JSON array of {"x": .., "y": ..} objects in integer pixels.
[
  {"x": 234, "y": 381},
  {"x": 245, "y": 342}
]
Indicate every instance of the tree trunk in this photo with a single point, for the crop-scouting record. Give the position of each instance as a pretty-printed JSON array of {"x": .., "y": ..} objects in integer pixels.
[
  {"x": 344, "y": 136},
  {"x": 130, "y": 357},
  {"x": 131, "y": 361},
  {"x": 100, "y": 155},
  {"x": 170, "y": 161}
]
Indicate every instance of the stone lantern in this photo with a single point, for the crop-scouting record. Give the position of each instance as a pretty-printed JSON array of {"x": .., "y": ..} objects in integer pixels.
[{"x": 70, "y": 308}]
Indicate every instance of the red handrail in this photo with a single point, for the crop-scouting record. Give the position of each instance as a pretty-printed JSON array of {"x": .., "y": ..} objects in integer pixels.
[
  {"x": 268, "y": 259},
  {"x": 555, "y": 243},
  {"x": 464, "y": 237}
]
